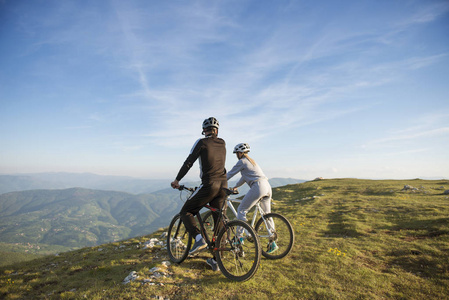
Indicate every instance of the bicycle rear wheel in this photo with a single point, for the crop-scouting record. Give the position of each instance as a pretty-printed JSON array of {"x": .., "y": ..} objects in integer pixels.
[
  {"x": 179, "y": 240},
  {"x": 283, "y": 235},
  {"x": 237, "y": 260}
]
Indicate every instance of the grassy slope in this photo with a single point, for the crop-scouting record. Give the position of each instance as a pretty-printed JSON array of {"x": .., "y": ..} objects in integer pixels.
[
  {"x": 359, "y": 239},
  {"x": 8, "y": 258},
  {"x": 15, "y": 253}
]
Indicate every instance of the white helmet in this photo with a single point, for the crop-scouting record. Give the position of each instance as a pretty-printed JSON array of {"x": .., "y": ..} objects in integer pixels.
[
  {"x": 210, "y": 122},
  {"x": 242, "y": 147}
]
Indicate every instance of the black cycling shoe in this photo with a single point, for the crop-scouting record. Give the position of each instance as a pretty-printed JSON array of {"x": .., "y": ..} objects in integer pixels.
[{"x": 214, "y": 265}]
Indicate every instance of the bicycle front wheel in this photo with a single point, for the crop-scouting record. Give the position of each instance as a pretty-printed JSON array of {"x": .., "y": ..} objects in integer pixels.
[
  {"x": 237, "y": 258},
  {"x": 282, "y": 235},
  {"x": 209, "y": 225},
  {"x": 179, "y": 240}
]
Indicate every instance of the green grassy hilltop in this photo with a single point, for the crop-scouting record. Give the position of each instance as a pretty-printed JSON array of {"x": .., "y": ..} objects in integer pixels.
[{"x": 355, "y": 239}]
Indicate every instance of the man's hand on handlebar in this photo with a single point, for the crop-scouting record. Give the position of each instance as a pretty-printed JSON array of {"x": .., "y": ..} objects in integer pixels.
[{"x": 175, "y": 184}]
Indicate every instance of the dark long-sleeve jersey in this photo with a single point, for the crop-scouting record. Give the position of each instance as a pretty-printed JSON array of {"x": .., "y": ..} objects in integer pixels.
[{"x": 211, "y": 152}]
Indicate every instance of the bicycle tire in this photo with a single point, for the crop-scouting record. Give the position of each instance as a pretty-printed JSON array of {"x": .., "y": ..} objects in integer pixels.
[
  {"x": 285, "y": 235},
  {"x": 179, "y": 240},
  {"x": 238, "y": 262},
  {"x": 209, "y": 225}
]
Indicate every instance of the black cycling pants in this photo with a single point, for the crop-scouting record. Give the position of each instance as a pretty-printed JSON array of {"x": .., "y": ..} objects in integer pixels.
[{"x": 212, "y": 193}]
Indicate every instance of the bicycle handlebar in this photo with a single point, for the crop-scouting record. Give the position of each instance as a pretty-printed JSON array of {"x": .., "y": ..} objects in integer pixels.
[
  {"x": 230, "y": 192},
  {"x": 182, "y": 187},
  {"x": 227, "y": 191}
]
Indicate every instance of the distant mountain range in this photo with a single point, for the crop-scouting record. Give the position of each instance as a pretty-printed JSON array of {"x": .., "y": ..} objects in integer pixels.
[
  {"x": 54, "y": 212},
  {"x": 24, "y": 182}
]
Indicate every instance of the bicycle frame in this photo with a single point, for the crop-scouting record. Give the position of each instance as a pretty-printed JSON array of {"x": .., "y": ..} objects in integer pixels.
[
  {"x": 256, "y": 210},
  {"x": 210, "y": 242}
]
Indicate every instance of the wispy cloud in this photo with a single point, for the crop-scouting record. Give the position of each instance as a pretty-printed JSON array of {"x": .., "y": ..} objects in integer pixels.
[
  {"x": 407, "y": 152},
  {"x": 427, "y": 13},
  {"x": 78, "y": 127},
  {"x": 430, "y": 133},
  {"x": 422, "y": 62},
  {"x": 264, "y": 87},
  {"x": 444, "y": 131}
]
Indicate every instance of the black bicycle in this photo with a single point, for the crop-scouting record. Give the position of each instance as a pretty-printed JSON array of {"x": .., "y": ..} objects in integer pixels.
[
  {"x": 271, "y": 228},
  {"x": 234, "y": 244}
]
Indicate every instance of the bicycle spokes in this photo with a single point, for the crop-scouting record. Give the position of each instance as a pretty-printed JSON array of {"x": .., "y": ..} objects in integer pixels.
[
  {"x": 238, "y": 258},
  {"x": 178, "y": 240},
  {"x": 278, "y": 238}
]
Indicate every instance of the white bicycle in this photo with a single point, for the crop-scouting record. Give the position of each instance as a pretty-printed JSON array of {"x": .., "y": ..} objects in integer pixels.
[{"x": 271, "y": 227}]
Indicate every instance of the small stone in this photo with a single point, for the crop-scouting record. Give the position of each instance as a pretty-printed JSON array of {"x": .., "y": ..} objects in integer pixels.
[{"x": 166, "y": 263}]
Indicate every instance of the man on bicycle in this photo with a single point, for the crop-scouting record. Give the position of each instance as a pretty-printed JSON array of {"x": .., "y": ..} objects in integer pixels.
[{"x": 211, "y": 152}]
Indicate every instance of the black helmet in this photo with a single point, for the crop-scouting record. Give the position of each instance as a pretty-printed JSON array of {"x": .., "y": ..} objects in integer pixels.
[{"x": 210, "y": 122}]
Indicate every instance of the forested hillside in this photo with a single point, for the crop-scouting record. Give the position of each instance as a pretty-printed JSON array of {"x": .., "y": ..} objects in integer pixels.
[{"x": 48, "y": 221}]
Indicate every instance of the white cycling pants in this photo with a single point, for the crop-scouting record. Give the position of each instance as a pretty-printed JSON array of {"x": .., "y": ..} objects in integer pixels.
[{"x": 259, "y": 190}]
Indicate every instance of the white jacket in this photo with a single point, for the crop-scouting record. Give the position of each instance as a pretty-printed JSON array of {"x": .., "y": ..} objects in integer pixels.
[{"x": 250, "y": 173}]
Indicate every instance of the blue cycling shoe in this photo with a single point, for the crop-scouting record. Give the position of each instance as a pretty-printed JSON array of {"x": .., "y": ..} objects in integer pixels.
[{"x": 198, "y": 246}]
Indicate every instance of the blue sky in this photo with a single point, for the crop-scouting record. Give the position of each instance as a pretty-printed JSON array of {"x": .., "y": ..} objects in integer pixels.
[{"x": 317, "y": 88}]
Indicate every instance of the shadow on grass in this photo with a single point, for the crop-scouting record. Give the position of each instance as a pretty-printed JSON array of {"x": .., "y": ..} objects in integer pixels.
[
  {"x": 339, "y": 226},
  {"x": 415, "y": 259},
  {"x": 419, "y": 264},
  {"x": 421, "y": 229}
]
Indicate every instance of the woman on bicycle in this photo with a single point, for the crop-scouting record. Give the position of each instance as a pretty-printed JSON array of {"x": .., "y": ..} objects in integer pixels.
[{"x": 260, "y": 188}]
